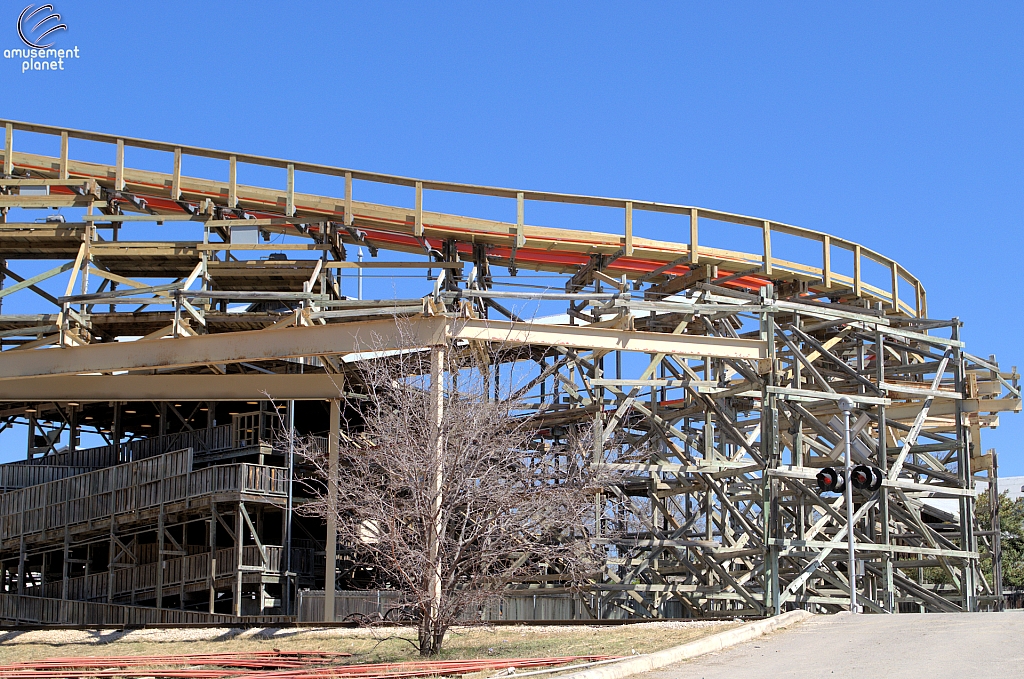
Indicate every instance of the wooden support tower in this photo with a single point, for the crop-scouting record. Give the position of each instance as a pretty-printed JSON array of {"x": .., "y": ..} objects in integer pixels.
[{"x": 188, "y": 310}]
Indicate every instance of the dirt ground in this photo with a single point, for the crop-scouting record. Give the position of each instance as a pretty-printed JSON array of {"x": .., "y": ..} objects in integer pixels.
[{"x": 365, "y": 645}]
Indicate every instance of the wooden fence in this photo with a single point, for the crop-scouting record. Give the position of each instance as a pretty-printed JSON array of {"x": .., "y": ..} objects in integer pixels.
[
  {"x": 43, "y": 611},
  {"x": 14, "y": 476},
  {"x": 188, "y": 571},
  {"x": 388, "y": 604},
  {"x": 200, "y": 440}
]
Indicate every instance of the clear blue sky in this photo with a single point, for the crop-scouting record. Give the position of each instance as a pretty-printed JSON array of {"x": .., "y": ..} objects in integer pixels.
[{"x": 898, "y": 125}]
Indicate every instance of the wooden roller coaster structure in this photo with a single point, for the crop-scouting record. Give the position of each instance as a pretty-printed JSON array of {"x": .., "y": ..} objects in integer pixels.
[{"x": 723, "y": 366}]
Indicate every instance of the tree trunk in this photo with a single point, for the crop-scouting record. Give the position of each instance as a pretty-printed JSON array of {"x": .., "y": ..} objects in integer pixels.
[
  {"x": 431, "y": 636},
  {"x": 431, "y": 631}
]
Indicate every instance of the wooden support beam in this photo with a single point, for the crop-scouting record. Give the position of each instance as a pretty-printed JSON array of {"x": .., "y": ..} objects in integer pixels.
[
  {"x": 212, "y": 575},
  {"x": 63, "y": 155},
  {"x": 826, "y": 261},
  {"x": 176, "y": 176},
  {"x": 520, "y": 220},
  {"x": 118, "y": 167},
  {"x": 684, "y": 282},
  {"x": 694, "y": 248},
  {"x": 232, "y": 182},
  {"x": 766, "y": 236},
  {"x": 290, "y": 190},
  {"x": 603, "y": 339},
  {"x": 628, "y": 241},
  {"x": 435, "y": 445},
  {"x": 239, "y": 554},
  {"x": 895, "y": 287},
  {"x": 418, "y": 219},
  {"x": 30, "y": 282},
  {"x": 332, "y": 518},
  {"x": 340, "y": 338},
  {"x": 348, "y": 199},
  {"x": 857, "y": 289},
  {"x": 86, "y": 388},
  {"x": 8, "y": 150},
  {"x": 160, "y": 535}
]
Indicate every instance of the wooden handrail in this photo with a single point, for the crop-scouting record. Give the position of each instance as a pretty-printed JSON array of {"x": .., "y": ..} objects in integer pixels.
[{"x": 628, "y": 205}]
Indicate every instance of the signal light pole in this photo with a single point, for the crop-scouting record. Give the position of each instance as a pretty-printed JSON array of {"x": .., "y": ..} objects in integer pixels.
[{"x": 846, "y": 405}]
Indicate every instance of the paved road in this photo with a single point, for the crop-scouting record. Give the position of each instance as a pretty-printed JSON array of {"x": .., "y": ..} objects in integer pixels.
[{"x": 934, "y": 646}]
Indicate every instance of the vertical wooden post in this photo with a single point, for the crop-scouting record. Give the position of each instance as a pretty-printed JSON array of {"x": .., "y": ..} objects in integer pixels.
[
  {"x": 212, "y": 580},
  {"x": 160, "y": 527},
  {"x": 629, "y": 228},
  {"x": 520, "y": 219},
  {"x": 436, "y": 414},
  {"x": 183, "y": 560},
  {"x": 826, "y": 261},
  {"x": 72, "y": 428},
  {"x": 64, "y": 566},
  {"x": 766, "y": 233},
  {"x": 882, "y": 458},
  {"x": 63, "y": 155},
  {"x": 239, "y": 541},
  {"x": 111, "y": 560},
  {"x": 694, "y": 249},
  {"x": 418, "y": 221},
  {"x": 290, "y": 207},
  {"x": 176, "y": 176},
  {"x": 332, "y": 518},
  {"x": 119, "y": 167},
  {"x": 348, "y": 199},
  {"x": 44, "y": 568},
  {"x": 233, "y": 182},
  {"x": 856, "y": 271},
  {"x": 895, "y": 287},
  {"x": 21, "y": 559},
  {"x": 9, "y": 150},
  {"x": 771, "y": 450},
  {"x": 115, "y": 431},
  {"x": 30, "y": 447}
]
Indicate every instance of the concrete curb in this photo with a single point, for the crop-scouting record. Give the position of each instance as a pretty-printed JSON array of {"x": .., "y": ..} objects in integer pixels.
[{"x": 669, "y": 656}]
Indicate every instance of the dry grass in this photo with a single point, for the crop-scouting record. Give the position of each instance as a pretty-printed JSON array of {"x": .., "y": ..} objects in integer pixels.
[{"x": 377, "y": 645}]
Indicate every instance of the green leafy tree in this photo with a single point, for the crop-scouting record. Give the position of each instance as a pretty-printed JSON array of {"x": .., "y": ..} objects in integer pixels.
[{"x": 1011, "y": 528}]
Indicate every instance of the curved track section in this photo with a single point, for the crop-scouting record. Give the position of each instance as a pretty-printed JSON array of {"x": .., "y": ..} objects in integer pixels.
[{"x": 712, "y": 375}]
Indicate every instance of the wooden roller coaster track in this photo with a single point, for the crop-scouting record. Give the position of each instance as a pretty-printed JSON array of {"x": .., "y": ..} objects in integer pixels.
[{"x": 724, "y": 365}]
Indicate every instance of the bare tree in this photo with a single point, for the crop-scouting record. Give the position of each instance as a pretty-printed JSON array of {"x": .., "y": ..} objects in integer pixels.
[{"x": 452, "y": 492}]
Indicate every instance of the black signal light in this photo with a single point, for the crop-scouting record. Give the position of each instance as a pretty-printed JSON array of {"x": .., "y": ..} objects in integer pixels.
[
  {"x": 830, "y": 480},
  {"x": 865, "y": 477}
]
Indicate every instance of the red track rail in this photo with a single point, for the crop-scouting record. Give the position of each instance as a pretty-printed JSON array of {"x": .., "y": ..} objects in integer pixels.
[{"x": 262, "y": 665}]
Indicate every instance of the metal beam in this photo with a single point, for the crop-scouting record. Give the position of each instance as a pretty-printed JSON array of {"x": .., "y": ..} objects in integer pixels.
[
  {"x": 607, "y": 339},
  {"x": 342, "y": 338},
  {"x": 235, "y": 347},
  {"x": 85, "y": 388}
]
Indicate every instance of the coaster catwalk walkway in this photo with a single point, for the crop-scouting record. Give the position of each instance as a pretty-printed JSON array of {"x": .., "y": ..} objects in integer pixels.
[{"x": 721, "y": 367}]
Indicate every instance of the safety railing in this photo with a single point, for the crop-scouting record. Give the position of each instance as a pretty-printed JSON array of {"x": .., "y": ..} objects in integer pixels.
[
  {"x": 765, "y": 261},
  {"x": 128, "y": 488},
  {"x": 188, "y": 571},
  {"x": 200, "y": 441}
]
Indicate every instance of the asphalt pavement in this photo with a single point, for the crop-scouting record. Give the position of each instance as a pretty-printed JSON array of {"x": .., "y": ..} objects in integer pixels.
[{"x": 933, "y": 645}]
